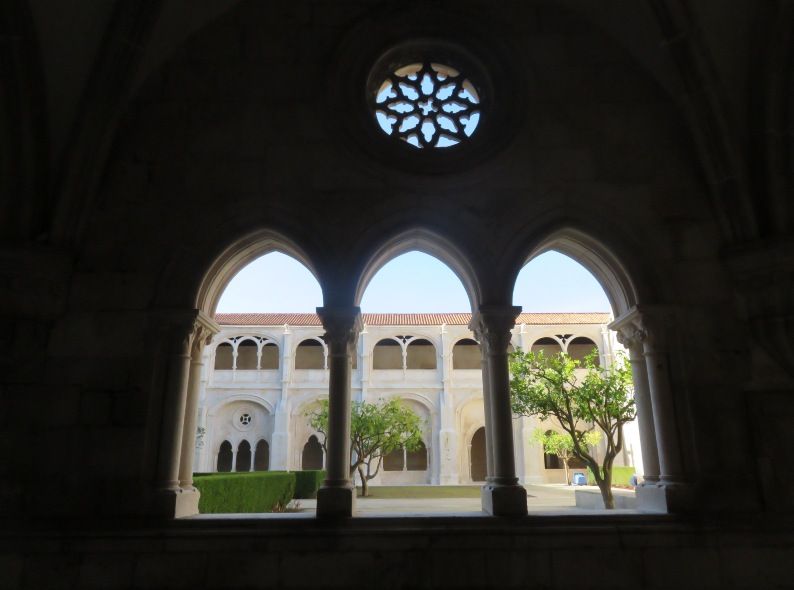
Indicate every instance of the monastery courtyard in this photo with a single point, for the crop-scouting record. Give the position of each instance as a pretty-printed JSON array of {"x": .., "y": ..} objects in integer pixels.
[{"x": 548, "y": 499}]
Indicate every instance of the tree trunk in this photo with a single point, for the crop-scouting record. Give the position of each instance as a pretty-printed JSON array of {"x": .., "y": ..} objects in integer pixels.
[
  {"x": 605, "y": 485},
  {"x": 567, "y": 477},
  {"x": 364, "y": 486}
]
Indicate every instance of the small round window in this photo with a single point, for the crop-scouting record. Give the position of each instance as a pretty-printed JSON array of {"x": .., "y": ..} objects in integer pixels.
[
  {"x": 245, "y": 419},
  {"x": 427, "y": 105}
]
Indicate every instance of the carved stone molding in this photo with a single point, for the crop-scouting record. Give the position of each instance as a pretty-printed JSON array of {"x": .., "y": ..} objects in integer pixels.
[
  {"x": 187, "y": 331},
  {"x": 342, "y": 327},
  {"x": 644, "y": 328},
  {"x": 492, "y": 326}
]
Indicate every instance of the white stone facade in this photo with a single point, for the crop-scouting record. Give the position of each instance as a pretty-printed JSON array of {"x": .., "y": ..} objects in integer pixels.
[{"x": 260, "y": 378}]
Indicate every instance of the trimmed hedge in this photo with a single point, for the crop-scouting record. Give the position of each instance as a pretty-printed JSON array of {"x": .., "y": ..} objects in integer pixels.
[
  {"x": 620, "y": 476},
  {"x": 260, "y": 491},
  {"x": 308, "y": 482}
]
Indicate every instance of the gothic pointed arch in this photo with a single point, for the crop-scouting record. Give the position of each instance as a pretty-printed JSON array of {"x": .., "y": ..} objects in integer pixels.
[{"x": 428, "y": 242}]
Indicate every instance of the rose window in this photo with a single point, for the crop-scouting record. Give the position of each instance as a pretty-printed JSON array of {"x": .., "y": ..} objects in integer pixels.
[
  {"x": 428, "y": 105},
  {"x": 245, "y": 419}
]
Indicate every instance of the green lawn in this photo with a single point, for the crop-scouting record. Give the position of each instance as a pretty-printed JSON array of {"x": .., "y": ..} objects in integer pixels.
[{"x": 419, "y": 492}]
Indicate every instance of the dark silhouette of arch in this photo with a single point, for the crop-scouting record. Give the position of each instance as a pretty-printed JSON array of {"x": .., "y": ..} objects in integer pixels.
[
  {"x": 580, "y": 347},
  {"x": 466, "y": 354},
  {"x": 394, "y": 461},
  {"x": 246, "y": 355},
  {"x": 224, "y": 457},
  {"x": 551, "y": 460},
  {"x": 262, "y": 456},
  {"x": 223, "y": 357},
  {"x": 243, "y": 456},
  {"x": 312, "y": 456},
  {"x": 270, "y": 357},
  {"x": 387, "y": 354},
  {"x": 478, "y": 464},
  {"x": 310, "y": 355},
  {"x": 549, "y": 346},
  {"x": 421, "y": 354},
  {"x": 416, "y": 460}
]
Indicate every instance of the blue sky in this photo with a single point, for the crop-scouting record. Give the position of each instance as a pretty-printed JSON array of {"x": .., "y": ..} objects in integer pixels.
[{"x": 411, "y": 283}]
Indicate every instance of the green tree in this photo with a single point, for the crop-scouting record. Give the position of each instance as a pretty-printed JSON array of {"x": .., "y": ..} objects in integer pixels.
[
  {"x": 376, "y": 429},
  {"x": 559, "y": 444},
  {"x": 581, "y": 401}
]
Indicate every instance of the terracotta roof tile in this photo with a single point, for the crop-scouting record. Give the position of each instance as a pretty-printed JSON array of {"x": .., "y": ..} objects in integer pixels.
[{"x": 405, "y": 319}]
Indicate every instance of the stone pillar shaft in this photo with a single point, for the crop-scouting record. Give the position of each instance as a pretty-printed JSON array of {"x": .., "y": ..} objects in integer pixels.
[
  {"x": 337, "y": 495},
  {"x": 191, "y": 417},
  {"x": 670, "y": 467},
  {"x": 489, "y": 426},
  {"x": 502, "y": 495},
  {"x": 642, "y": 399},
  {"x": 174, "y": 414}
]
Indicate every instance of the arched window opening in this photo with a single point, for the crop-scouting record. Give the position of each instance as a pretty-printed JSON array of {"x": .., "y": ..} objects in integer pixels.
[
  {"x": 466, "y": 355},
  {"x": 247, "y": 355},
  {"x": 551, "y": 460},
  {"x": 394, "y": 461},
  {"x": 270, "y": 358},
  {"x": 387, "y": 354},
  {"x": 421, "y": 354},
  {"x": 549, "y": 346},
  {"x": 224, "y": 360},
  {"x": 225, "y": 457},
  {"x": 477, "y": 463},
  {"x": 312, "y": 456},
  {"x": 262, "y": 456},
  {"x": 243, "y": 456},
  {"x": 310, "y": 354},
  {"x": 580, "y": 347},
  {"x": 416, "y": 460}
]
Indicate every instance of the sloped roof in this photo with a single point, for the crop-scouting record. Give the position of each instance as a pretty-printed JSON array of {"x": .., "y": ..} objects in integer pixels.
[{"x": 405, "y": 319}]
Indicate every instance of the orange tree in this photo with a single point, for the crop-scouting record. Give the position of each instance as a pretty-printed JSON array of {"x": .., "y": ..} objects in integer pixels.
[
  {"x": 580, "y": 401},
  {"x": 376, "y": 429}
]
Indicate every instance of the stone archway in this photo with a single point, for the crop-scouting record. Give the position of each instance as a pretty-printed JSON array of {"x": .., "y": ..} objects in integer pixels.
[{"x": 478, "y": 468}]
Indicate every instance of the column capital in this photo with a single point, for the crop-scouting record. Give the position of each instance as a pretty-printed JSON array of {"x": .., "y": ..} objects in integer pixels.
[
  {"x": 644, "y": 327},
  {"x": 187, "y": 329},
  {"x": 492, "y": 326},
  {"x": 342, "y": 325}
]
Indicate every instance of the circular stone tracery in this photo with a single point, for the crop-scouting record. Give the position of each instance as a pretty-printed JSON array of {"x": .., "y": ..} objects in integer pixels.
[{"x": 428, "y": 105}]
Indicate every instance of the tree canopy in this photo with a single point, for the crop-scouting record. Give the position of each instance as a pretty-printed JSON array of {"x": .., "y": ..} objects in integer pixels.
[
  {"x": 581, "y": 397},
  {"x": 376, "y": 429}
]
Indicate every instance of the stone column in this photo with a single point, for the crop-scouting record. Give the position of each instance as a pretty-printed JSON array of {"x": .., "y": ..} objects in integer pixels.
[
  {"x": 502, "y": 495},
  {"x": 486, "y": 402},
  {"x": 630, "y": 337},
  {"x": 645, "y": 329},
  {"x": 279, "y": 444},
  {"x": 205, "y": 328},
  {"x": 342, "y": 325},
  {"x": 447, "y": 432},
  {"x": 177, "y": 328},
  {"x": 191, "y": 419}
]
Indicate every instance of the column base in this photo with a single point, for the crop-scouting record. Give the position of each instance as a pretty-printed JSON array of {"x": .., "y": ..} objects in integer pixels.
[
  {"x": 336, "y": 502},
  {"x": 665, "y": 498},
  {"x": 504, "y": 500},
  {"x": 176, "y": 503}
]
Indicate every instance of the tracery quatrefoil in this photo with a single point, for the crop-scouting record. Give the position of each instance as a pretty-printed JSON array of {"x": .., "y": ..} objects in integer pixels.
[{"x": 428, "y": 105}]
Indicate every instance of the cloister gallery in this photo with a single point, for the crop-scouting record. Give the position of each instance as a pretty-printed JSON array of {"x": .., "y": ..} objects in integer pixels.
[
  {"x": 150, "y": 150},
  {"x": 262, "y": 373}
]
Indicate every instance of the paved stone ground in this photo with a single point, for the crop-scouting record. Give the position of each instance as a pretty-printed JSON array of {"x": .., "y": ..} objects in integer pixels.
[{"x": 550, "y": 498}]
